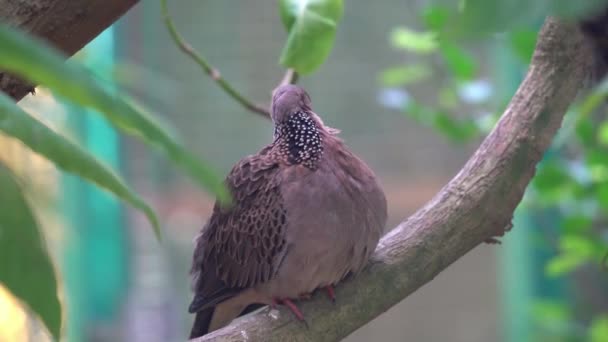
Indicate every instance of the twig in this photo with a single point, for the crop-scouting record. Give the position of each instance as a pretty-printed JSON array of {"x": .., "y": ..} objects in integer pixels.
[{"x": 289, "y": 78}]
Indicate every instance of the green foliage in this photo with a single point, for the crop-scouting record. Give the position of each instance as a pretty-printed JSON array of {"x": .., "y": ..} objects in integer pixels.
[
  {"x": 406, "y": 74},
  {"x": 599, "y": 329},
  {"x": 25, "y": 267},
  {"x": 458, "y": 61},
  {"x": 576, "y": 182},
  {"x": 522, "y": 43},
  {"x": 418, "y": 42},
  {"x": 311, "y": 27},
  {"x": 460, "y": 66},
  {"x": 458, "y": 131},
  {"x": 471, "y": 18},
  {"x": 66, "y": 155},
  {"x": 575, "y": 250},
  {"x": 43, "y": 65}
]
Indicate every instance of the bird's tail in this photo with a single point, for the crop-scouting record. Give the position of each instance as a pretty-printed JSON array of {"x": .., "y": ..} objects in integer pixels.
[{"x": 202, "y": 320}]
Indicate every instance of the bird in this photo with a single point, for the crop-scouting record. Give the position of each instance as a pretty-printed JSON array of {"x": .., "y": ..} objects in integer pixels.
[{"x": 305, "y": 213}]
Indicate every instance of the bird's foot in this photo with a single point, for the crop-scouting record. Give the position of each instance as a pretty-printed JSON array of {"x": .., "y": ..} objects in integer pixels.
[
  {"x": 287, "y": 302},
  {"x": 331, "y": 293}
]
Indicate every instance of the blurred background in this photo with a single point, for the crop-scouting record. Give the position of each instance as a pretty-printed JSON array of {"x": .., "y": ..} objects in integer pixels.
[{"x": 415, "y": 113}]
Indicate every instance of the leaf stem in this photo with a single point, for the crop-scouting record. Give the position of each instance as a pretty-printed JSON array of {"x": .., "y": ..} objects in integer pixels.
[{"x": 289, "y": 77}]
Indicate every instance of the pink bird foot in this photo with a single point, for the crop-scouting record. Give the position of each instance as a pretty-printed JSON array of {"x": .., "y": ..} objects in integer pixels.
[
  {"x": 287, "y": 302},
  {"x": 331, "y": 293}
]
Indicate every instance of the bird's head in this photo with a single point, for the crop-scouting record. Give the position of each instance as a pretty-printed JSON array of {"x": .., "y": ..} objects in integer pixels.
[
  {"x": 287, "y": 100},
  {"x": 290, "y": 99}
]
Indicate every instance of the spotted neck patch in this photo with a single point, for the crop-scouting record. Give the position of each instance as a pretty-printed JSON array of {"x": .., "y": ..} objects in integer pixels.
[{"x": 299, "y": 140}]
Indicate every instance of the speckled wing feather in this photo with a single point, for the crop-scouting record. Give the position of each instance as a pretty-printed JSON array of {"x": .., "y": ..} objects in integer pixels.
[{"x": 242, "y": 245}]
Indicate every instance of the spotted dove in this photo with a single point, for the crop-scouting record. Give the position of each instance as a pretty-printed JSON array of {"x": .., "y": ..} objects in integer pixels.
[{"x": 306, "y": 212}]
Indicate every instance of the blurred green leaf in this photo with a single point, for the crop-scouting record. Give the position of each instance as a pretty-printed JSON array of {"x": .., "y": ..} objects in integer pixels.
[
  {"x": 602, "y": 194},
  {"x": 598, "y": 332},
  {"x": 419, "y": 42},
  {"x": 593, "y": 100},
  {"x": 311, "y": 25},
  {"x": 461, "y": 63},
  {"x": 41, "y": 64},
  {"x": 523, "y": 43},
  {"x": 435, "y": 17},
  {"x": 66, "y": 155},
  {"x": 585, "y": 131},
  {"x": 420, "y": 113},
  {"x": 404, "y": 75},
  {"x": 564, "y": 263},
  {"x": 25, "y": 267},
  {"x": 459, "y": 131},
  {"x": 455, "y": 130},
  {"x": 576, "y": 223},
  {"x": 602, "y": 134},
  {"x": 550, "y": 310},
  {"x": 550, "y": 176},
  {"x": 596, "y": 157},
  {"x": 447, "y": 98},
  {"x": 581, "y": 245}
]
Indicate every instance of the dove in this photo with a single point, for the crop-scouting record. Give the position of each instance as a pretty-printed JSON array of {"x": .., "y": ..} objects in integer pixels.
[{"x": 305, "y": 213}]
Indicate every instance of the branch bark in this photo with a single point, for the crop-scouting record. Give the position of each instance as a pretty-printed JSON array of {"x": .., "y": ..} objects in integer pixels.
[
  {"x": 66, "y": 24},
  {"x": 477, "y": 204}
]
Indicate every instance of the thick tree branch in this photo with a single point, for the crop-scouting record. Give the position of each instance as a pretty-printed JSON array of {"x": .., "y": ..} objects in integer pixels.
[
  {"x": 290, "y": 75},
  {"x": 66, "y": 24},
  {"x": 474, "y": 206}
]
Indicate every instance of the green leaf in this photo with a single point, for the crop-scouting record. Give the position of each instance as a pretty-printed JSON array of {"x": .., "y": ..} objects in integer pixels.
[
  {"x": 25, "y": 267},
  {"x": 419, "y": 42},
  {"x": 435, "y": 17},
  {"x": 585, "y": 131},
  {"x": 447, "y": 98},
  {"x": 311, "y": 25},
  {"x": 551, "y": 310},
  {"x": 41, "y": 64},
  {"x": 576, "y": 223},
  {"x": 596, "y": 157},
  {"x": 593, "y": 100},
  {"x": 580, "y": 245},
  {"x": 598, "y": 332},
  {"x": 404, "y": 75},
  {"x": 66, "y": 155},
  {"x": 602, "y": 194},
  {"x": 550, "y": 176},
  {"x": 523, "y": 42},
  {"x": 564, "y": 263},
  {"x": 602, "y": 134},
  {"x": 458, "y": 131},
  {"x": 461, "y": 63}
]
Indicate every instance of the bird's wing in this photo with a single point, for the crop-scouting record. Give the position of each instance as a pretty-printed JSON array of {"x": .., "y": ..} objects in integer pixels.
[{"x": 242, "y": 245}]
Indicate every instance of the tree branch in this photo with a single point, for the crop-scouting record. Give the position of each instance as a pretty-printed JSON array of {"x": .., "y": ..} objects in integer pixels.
[
  {"x": 66, "y": 24},
  {"x": 289, "y": 78},
  {"x": 477, "y": 204}
]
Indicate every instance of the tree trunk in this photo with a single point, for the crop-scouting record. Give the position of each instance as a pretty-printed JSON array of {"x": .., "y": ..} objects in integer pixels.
[{"x": 68, "y": 25}]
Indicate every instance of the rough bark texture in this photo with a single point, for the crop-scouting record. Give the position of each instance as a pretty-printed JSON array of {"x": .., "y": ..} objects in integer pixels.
[
  {"x": 474, "y": 206},
  {"x": 66, "y": 24}
]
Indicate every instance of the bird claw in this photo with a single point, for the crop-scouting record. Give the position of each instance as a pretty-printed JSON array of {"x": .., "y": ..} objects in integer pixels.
[
  {"x": 287, "y": 302},
  {"x": 331, "y": 293}
]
